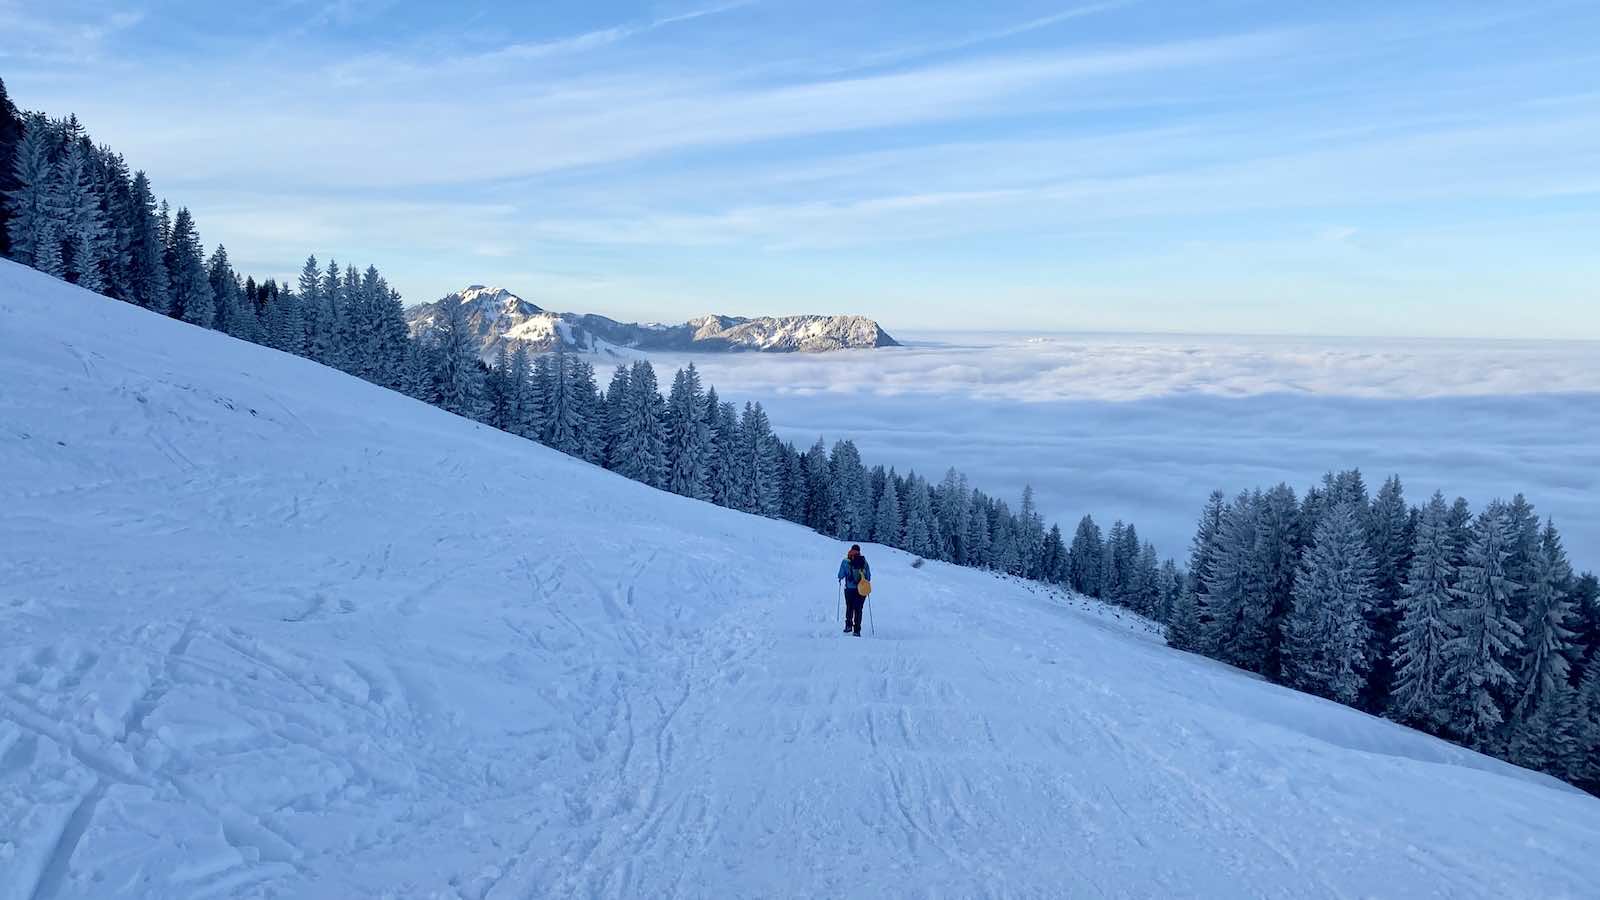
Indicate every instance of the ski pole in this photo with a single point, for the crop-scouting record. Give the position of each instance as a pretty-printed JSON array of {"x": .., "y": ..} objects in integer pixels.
[
  {"x": 871, "y": 626},
  {"x": 840, "y": 617}
]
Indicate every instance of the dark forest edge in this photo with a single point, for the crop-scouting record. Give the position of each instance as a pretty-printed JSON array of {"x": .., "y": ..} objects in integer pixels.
[{"x": 1473, "y": 628}]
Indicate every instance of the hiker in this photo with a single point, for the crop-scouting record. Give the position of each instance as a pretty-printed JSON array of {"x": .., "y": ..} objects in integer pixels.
[{"x": 853, "y": 569}]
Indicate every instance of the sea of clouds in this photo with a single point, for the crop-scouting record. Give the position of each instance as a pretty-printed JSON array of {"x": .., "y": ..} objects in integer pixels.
[{"x": 1143, "y": 427}]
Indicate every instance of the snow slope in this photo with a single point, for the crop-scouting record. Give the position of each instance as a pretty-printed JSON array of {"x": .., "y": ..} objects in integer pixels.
[{"x": 268, "y": 631}]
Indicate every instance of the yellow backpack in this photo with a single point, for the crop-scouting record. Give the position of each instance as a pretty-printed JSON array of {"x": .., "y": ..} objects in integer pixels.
[{"x": 863, "y": 587}]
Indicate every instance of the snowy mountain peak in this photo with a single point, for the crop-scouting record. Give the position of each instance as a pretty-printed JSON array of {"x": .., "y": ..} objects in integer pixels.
[{"x": 503, "y": 319}]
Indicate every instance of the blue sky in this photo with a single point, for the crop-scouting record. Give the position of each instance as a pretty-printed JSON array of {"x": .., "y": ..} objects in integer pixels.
[{"x": 1229, "y": 166}]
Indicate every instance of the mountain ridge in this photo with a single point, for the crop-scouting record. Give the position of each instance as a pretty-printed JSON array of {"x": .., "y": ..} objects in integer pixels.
[{"x": 500, "y": 318}]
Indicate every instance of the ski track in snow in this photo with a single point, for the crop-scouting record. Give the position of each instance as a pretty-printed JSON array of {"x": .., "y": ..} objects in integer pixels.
[{"x": 266, "y": 631}]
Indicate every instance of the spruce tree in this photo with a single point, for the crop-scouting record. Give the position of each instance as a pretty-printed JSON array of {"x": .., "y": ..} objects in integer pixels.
[
  {"x": 821, "y": 500},
  {"x": 1236, "y": 592},
  {"x": 887, "y": 525},
  {"x": 82, "y": 226},
  {"x": 590, "y": 412},
  {"x": 1389, "y": 538},
  {"x": 979, "y": 534},
  {"x": 497, "y": 393},
  {"x": 1030, "y": 534},
  {"x": 191, "y": 289},
  {"x": 1479, "y": 657},
  {"x": 1148, "y": 573},
  {"x": 31, "y": 202},
  {"x": 456, "y": 358},
  {"x": 1184, "y": 628},
  {"x": 851, "y": 492},
  {"x": 759, "y": 490},
  {"x": 1084, "y": 558},
  {"x": 11, "y": 137},
  {"x": 1202, "y": 551},
  {"x": 226, "y": 293},
  {"x": 641, "y": 448},
  {"x": 116, "y": 204},
  {"x": 309, "y": 289},
  {"x": 563, "y": 425},
  {"x": 1419, "y": 697},
  {"x": 1277, "y": 557},
  {"x": 688, "y": 437},
  {"x": 1546, "y": 637},
  {"x": 796, "y": 491},
  {"x": 1169, "y": 582},
  {"x": 1328, "y": 640},
  {"x": 616, "y": 415},
  {"x": 1053, "y": 564},
  {"x": 953, "y": 508},
  {"x": 727, "y": 465},
  {"x": 519, "y": 404},
  {"x": 149, "y": 285},
  {"x": 915, "y": 536}
]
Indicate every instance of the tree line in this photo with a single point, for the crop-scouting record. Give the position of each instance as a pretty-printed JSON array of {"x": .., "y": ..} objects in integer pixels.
[{"x": 1471, "y": 627}]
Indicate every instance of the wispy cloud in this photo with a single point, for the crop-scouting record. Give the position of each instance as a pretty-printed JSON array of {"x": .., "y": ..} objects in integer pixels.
[
  {"x": 35, "y": 36},
  {"x": 901, "y": 54}
]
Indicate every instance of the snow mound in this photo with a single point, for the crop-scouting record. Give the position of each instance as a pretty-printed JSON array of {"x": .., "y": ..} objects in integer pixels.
[{"x": 266, "y": 630}]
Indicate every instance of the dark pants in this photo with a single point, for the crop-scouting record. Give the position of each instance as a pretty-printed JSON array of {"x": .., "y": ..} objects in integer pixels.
[{"x": 853, "y": 601}]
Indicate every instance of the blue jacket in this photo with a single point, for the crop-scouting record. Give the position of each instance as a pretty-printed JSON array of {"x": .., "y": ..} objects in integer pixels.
[{"x": 844, "y": 571}]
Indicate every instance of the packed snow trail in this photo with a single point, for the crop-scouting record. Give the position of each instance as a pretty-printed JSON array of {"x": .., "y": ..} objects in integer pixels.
[{"x": 269, "y": 631}]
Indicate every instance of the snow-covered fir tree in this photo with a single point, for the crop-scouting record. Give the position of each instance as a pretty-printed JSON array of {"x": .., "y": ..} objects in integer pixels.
[
  {"x": 590, "y": 412},
  {"x": 1547, "y": 641},
  {"x": 497, "y": 392},
  {"x": 758, "y": 490},
  {"x": 1085, "y": 558},
  {"x": 821, "y": 498},
  {"x": 919, "y": 535},
  {"x": 563, "y": 420},
  {"x": 521, "y": 408},
  {"x": 1169, "y": 585},
  {"x": 978, "y": 532},
  {"x": 82, "y": 224},
  {"x": 952, "y": 507},
  {"x": 1030, "y": 534},
  {"x": 191, "y": 288},
  {"x": 795, "y": 489},
  {"x": 1419, "y": 696},
  {"x": 616, "y": 415},
  {"x": 1202, "y": 552},
  {"x": 688, "y": 437},
  {"x": 887, "y": 525},
  {"x": 852, "y": 494},
  {"x": 1235, "y": 589},
  {"x": 226, "y": 292},
  {"x": 1389, "y": 537},
  {"x": 147, "y": 267},
  {"x": 641, "y": 452},
  {"x": 1479, "y": 658},
  {"x": 1328, "y": 644},
  {"x": 727, "y": 464},
  {"x": 456, "y": 376},
  {"x": 31, "y": 203}
]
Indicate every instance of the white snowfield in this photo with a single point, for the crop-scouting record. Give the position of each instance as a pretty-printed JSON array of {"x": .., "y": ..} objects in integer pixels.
[{"x": 269, "y": 631}]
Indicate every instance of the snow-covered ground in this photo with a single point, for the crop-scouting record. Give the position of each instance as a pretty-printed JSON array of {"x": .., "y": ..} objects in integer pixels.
[
  {"x": 1143, "y": 427},
  {"x": 268, "y": 631}
]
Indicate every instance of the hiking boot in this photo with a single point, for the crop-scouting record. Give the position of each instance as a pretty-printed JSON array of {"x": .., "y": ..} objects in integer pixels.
[{"x": 857, "y": 632}]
